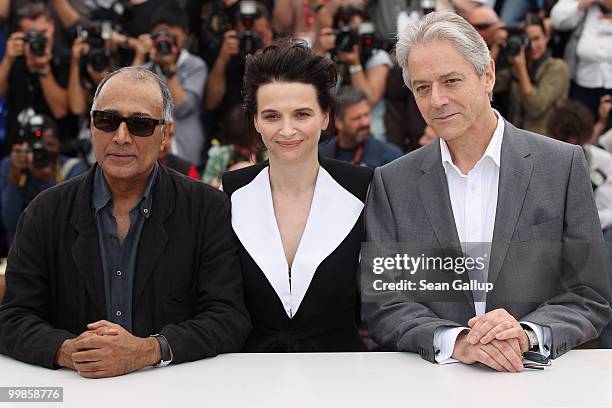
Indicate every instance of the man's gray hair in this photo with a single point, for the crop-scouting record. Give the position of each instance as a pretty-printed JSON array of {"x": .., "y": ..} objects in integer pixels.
[
  {"x": 139, "y": 73},
  {"x": 443, "y": 26},
  {"x": 348, "y": 96}
]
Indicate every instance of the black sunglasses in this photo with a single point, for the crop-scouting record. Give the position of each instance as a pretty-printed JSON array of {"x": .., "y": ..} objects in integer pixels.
[{"x": 138, "y": 126}]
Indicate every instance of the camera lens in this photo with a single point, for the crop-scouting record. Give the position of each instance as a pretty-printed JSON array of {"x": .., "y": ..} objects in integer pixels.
[{"x": 164, "y": 47}]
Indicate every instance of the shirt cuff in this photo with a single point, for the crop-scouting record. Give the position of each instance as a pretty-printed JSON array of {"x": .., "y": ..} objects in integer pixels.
[
  {"x": 544, "y": 335},
  {"x": 444, "y": 343}
]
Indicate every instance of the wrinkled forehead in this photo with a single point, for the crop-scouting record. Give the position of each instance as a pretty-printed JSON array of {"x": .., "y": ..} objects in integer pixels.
[{"x": 129, "y": 94}]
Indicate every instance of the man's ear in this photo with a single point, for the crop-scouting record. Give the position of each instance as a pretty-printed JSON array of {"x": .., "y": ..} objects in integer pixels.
[
  {"x": 166, "y": 135},
  {"x": 490, "y": 76}
]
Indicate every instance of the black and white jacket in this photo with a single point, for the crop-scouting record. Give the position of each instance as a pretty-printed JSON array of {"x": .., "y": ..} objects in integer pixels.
[{"x": 317, "y": 310}]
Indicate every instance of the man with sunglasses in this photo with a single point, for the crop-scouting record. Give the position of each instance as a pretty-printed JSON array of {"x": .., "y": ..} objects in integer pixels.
[
  {"x": 130, "y": 265},
  {"x": 486, "y": 21}
]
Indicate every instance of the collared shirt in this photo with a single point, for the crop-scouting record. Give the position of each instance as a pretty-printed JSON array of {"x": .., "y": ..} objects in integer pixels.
[
  {"x": 119, "y": 257},
  {"x": 473, "y": 199}
]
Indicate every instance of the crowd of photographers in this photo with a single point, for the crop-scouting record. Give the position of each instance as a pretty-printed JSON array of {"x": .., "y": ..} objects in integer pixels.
[{"x": 55, "y": 52}]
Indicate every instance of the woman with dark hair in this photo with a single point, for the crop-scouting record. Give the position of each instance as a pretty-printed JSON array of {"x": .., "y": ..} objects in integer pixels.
[{"x": 297, "y": 216}]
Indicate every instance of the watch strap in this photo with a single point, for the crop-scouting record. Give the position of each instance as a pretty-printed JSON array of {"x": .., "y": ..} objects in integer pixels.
[{"x": 165, "y": 350}]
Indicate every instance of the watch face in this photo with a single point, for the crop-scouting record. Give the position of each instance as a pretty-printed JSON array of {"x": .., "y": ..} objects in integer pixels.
[{"x": 533, "y": 339}]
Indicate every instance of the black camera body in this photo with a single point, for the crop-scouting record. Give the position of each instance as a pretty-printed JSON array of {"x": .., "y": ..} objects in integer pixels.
[
  {"x": 31, "y": 132},
  {"x": 365, "y": 37},
  {"x": 250, "y": 41},
  {"x": 37, "y": 42},
  {"x": 368, "y": 41},
  {"x": 516, "y": 41},
  {"x": 164, "y": 41},
  {"x": 346, "y": 39},
  {"x": 96, "y": 35}
]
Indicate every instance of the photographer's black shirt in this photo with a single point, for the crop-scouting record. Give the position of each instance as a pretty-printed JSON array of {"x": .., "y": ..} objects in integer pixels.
[{"x": 25, "y": 91}]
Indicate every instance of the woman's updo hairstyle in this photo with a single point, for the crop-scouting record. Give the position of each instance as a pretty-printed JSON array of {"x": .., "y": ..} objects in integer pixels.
[{"x": 288, "y": 60}]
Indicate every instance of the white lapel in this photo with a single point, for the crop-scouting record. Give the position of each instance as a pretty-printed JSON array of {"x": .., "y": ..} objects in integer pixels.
[
  {"x": 333, "y": 214},
  {"x": 254, "y": 223}
]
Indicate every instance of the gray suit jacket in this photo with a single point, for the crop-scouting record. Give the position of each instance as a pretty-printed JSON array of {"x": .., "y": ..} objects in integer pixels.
[{"x": 544, "y": 199}]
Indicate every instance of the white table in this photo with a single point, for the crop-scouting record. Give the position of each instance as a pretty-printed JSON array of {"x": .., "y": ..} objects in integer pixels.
[{"x": 581, "y": 378}]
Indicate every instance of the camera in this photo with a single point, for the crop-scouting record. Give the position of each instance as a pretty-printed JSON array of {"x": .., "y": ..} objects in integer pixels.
[
  {"x": 96, "y": 35},
  {"x": 368, "y": 42},
  {"x": 516, "y": 41},
  {"x": 250, "y": 41},
  {"x": 346, "y": 39},
  {"x": 37, "y": 41},
  {"x": 164, "y": 41},
  {"x": 365, "y": 37},
  {"x": 31, "y": 132}
]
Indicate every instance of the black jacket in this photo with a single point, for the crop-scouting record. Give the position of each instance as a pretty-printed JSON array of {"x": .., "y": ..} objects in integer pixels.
[
  {"x": 326, "y": 261},
  {"x": 187, "y": 287}
]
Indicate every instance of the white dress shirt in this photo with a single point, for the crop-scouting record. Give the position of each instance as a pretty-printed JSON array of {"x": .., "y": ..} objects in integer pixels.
[
  {"x": 594, "y": 49},
  {"x": 473, "y": 199}
]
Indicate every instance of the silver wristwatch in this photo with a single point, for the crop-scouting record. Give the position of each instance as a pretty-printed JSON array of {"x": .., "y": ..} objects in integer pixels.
[{"x": 533, "y": 338}]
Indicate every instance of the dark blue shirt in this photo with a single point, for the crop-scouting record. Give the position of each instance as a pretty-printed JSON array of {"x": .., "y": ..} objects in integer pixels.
[
  {"x": 375, "y": 152},
  {"x": 119, "y": 257}
]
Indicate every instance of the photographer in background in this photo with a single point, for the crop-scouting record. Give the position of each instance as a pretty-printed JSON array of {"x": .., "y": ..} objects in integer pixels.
[
  {"x": 34, "y": 73},
  {"x": 129, "y": 20},
  {"x": 91, "y": 60},
  {"x": 362, "y": 61},
  {"x": 537, "y": 82},
  {"x": 488, "y": 24},
  {"x": 185, "y": 75},
  {"x": 34, "y": 165},
  {"x": 208, "y": 21},
  {"x": 66, "y": 14},
  {"x": 253, "y": 30},
  {"x": 353, "y": 142}
]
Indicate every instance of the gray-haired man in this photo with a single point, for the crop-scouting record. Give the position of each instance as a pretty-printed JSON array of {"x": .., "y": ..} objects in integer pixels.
[
  {"x": 485, "y": 181},
  {"x": 129, "y": 265}
]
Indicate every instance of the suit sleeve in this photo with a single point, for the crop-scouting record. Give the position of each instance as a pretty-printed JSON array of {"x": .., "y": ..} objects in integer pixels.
[
  {"x": 395, "y": 320},
  {"x": 580, "y": 313},
  {"x": 25, "y": 332},
  {"x": 221, "y": 324}
]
